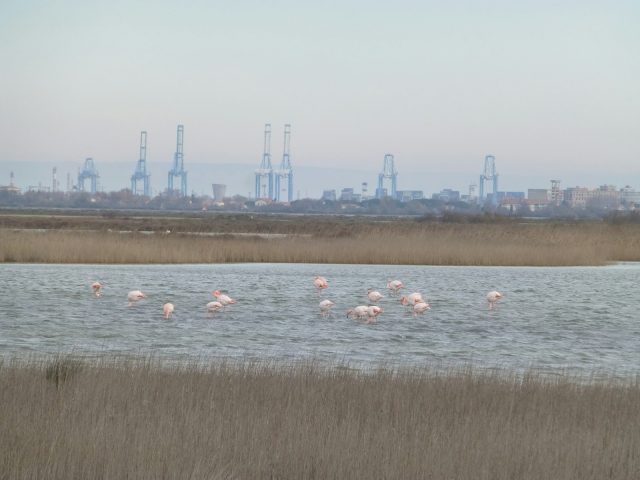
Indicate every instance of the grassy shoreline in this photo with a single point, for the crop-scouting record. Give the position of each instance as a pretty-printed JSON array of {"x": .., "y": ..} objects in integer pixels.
[
  {"x": 399, "y": 242},
  {"x": 137, "y": 418}
]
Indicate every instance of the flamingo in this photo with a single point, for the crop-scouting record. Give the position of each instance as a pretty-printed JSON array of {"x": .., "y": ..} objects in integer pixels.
[
  {"x": 223, "y": 299},
  {"x": 325, "y": 307},
  {"x": 215, "y": 306},
  {"x": 167, "y": 309},
  {"x": 394, "y": 285},
  {"x": 320, "y": 283},
  {"x": 361, "y": 311},
  {"x": 492, "y": 298},
  {"x": 374, "y": 295},
  {"x": 420, "y": 308},
  {"x": 97, "y": 289},
  {"x": 372, "y": 313},
  {"x": 134, "y": 296},
  {"x": 411, "y": 299}
]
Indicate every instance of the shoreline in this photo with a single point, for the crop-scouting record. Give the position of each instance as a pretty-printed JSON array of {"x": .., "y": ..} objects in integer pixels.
[{"x": 325, "y": 366}]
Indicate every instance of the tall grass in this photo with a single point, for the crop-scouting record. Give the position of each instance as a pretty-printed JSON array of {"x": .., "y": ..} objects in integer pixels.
[
  {"x": 422, "y": 244},
  {"x": 133, "y": 418}
]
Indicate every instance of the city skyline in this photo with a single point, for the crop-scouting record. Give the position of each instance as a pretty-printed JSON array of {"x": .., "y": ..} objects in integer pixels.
[
  {"x": 549, "y": 90},
  {"x": 310, "y": 181}
]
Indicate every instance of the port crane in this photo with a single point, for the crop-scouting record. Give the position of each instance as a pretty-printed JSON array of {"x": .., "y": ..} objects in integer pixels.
[
  {"x": 285, "y": 173},
  {"x": 141, "y": 169},
  {"x": 178, "y": 165}
]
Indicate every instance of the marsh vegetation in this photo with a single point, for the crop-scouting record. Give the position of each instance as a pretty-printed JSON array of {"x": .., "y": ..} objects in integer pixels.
[
  {"x": 282, "y": 239},
  {"x": 138, "y": 418}
]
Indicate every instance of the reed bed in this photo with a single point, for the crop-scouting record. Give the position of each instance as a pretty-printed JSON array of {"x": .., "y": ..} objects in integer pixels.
[
  {"x": 392, "y": 243},
  {"x": 137, "y": 418}
]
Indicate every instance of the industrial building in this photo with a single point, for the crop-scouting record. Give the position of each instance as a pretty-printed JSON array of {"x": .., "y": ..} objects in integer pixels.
[
  {"x": 447, "y": 195},
  {"x": 409, "y": 195},
  {"x": 349, "y": 195},
  {"x": 219, "y": 191},
  {"x": 11, "y": 188},
  {"x": 329, "y": 195}
]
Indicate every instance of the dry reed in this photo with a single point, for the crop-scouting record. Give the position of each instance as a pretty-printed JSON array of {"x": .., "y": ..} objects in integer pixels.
[
  {"x": 393, "y": 243},
  {"x": 137, "y": 418}
]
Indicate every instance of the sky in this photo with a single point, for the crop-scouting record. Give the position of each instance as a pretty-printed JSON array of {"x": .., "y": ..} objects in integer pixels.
[{"x": 551, "y": 88}]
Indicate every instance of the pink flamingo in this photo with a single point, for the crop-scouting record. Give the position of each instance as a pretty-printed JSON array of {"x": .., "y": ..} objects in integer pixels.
[
  {"x": 420, "y": 307},
  {"x": 97, "y": 289},
  {"x": 134, "y": 296},
  {"x": 167, "y": 309},
  {"x": 372, "y": 313},
  {"x": 411, "y": 299},
  {"x": 361, "y": 311},
  {"x": 320, "y": 283},
  {"x": 394, "y": 285},
  {"x": 325, "y": 307},
  {"x": 374, "y": 295},
  {"x": 225, "y": 300},
  {"x": 492, "y": 298},
  {"x": 215, "y": 306}
]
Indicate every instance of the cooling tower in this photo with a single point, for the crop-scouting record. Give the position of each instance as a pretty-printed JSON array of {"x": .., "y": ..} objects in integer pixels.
[{"x": 219, "y": 191}]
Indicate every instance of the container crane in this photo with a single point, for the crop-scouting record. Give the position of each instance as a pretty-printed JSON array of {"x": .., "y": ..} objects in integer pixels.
[
  {"x": 264, "y": 174},
  {"x": 388, "y": 172},
  {"x": 88, "y": 171},
  {"x": 489, "y": 174},
  {"x": 285, "y": 173},
  {"x": 178, "y": 165},
  {"x": 141, "y": 169}
]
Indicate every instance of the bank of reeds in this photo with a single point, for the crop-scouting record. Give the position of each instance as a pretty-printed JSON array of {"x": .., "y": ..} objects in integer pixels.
[
  {"x": 401, "y": 244},
  {"x": 64, "y": 419}
]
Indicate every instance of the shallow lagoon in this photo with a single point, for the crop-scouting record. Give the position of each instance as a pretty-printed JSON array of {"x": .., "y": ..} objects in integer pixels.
[{"x": 578, "y": 319}]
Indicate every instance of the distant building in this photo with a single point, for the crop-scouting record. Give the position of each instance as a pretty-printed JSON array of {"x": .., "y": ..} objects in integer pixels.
[
  {"x": 365, "y": 189},
  {"x": 348, "y": 195},
  {"x": 537, "y": 199},
  {"x": 606, "y": 196},
  {"x": 409, "y": 195},
  {"x": 329, "y": 195},
  {"x": 556, "y": 195},
  {"x": 219, "y": 191},
  {"x": 447, "y": 195},
  {"x": 38, "y": 188},
  {"x": 629, "y": 197},
  {"x": 503, "y": 196},
  {"x": 381, "y": 192},
  {"x": 515, "y": 195},
  {"x": 11, "y": 188},
  {"x": 538, "y": 195},
  {"x": 576, "y": 196}
]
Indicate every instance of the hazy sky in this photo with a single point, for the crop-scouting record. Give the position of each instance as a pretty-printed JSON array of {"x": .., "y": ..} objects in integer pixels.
[{"x": 546, "y": 86}]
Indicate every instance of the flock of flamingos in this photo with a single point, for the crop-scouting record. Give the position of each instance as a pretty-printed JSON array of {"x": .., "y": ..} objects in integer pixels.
[{"x": 367, "y": 313}]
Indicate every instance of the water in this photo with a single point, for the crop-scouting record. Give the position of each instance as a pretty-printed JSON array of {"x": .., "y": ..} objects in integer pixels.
[{"x": 581, "y": 320}]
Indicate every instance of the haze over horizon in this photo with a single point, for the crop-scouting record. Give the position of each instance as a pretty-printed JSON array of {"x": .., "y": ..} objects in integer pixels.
[{"x": 550, "y": 90}]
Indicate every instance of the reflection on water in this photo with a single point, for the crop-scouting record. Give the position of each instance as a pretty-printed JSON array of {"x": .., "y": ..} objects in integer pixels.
[{"x": 577, "y": 319}]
